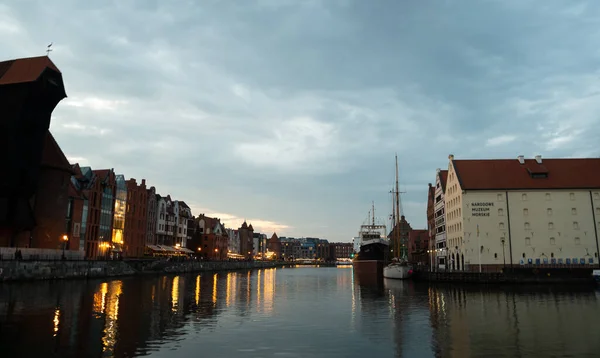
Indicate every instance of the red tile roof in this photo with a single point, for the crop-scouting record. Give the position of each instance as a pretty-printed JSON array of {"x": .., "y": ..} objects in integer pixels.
[
  {"x": 509, "y": 174},
  {"x": 24, "y": 69},
  {"x": 443, "y": 179}
]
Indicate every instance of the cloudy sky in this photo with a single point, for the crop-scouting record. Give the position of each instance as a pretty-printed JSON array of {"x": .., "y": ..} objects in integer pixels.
[{"x": 288, "y": 112}]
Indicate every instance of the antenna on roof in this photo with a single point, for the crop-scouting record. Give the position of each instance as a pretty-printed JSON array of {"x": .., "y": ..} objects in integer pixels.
[{"x": 49, "y": 49}]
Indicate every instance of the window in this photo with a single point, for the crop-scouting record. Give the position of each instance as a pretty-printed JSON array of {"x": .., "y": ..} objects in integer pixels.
[
  {"x": 572, "y": 196},
  {"x": 500, "y": 212},
  {"x": 552, "y": 241},
  {"x": 550, "y": 226},
  {"x": 548, "y": 197},
  {"x": 527, "y": 241},
  {"x": 573, "y": 211},
  {"x": 500, "y": 197},
  {"x": 501, "y": 226},
  {"x": 527, "y": 226},
  {"x": 575, "y": 225},
  {"x": 495, "y": 255},
  {"x": 596, "y": 196},
  {"x": 577, "y": 241},
  {"x": 549, "y": 212},
  {"x": 598, "y": 211},
  {"x": 525, "y": 212},
  {"x": 524, "y": 197}
]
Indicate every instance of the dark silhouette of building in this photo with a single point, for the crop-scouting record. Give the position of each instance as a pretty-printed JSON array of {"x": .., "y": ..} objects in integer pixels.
[
  {"x": 136, "y": 218},
  {"x": 33, "y": 182},
  {"x": 275, "y": 246}
]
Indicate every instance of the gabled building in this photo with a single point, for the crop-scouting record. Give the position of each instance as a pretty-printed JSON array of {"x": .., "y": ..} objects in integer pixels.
[
  {"x": 418, "y": 244},
  {"x": 183, "y": 214},
  {"x": 246, "y": 233},
  {"x": 166, "y": 224},
  {"x": 522, "y": 212},
  {"x": 275, "y": 246},
  {"x": 210, "y": 238},
  {"x": 233, "y": 243},
  {"x": 441, "y": 250}
]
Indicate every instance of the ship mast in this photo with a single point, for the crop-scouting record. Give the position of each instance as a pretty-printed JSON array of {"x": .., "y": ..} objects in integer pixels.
[{"x": 373, "y": 211}]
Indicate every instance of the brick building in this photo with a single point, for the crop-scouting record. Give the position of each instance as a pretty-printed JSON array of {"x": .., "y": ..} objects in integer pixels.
[
  {"x": 210, "y": 238},
  {"x": 341, "y": 250},
  {"x": 246, "y": 235},
  {"x": 275, "y": 246},
  {"x": 431, "y": 249},
  {"x": 418, "y": 244},
  {"x": 151, "y": 219},
  {"x": 136, "y": 218}
]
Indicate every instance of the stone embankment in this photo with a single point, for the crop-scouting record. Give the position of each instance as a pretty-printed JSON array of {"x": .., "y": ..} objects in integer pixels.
[{"x": 16, "y": 270}]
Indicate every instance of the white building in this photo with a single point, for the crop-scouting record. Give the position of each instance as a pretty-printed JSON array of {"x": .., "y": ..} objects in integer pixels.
[
  {"x": 522, "y": 212},
  {"x": 233, "y": 242},
  {"x": 165, "y": 221},
  {"x": 182, "y": 213},
  {"x": 440, "y": 247}
]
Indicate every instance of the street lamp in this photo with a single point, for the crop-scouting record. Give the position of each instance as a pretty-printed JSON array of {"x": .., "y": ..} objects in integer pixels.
[{"x": 65, "y": 239}]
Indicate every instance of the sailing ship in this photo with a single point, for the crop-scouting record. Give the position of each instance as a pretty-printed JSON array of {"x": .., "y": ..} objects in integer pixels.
[
  {"x": 373, "y": 249},
  {"x": 399, "y": 267}
]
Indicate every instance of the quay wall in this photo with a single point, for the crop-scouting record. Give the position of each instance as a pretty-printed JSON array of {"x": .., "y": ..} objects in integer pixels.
[
  {"x": 18, "y": 270},
  {"x": 524, "y": 276}
]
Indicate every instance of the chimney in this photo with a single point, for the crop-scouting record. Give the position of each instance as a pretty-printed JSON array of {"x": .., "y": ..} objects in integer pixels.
[
  {"x": 538, "y": 159},
  {"x": 451, "y": 157},
  {"x": 521, "y": 159},
  {"x": 143, "y": 181}
]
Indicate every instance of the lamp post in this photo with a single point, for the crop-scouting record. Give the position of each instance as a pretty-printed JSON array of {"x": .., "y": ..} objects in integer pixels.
[{"x": 65, "y": 239}]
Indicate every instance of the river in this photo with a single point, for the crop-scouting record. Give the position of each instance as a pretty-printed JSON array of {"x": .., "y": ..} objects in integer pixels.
[{"x": 293, "y": 312}]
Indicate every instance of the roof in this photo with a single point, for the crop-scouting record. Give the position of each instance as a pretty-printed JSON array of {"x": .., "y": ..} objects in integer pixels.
[
  {"x": 443, "y": 178},
  {"x": 24, "y": 69},
  {"x": 53, "y": 156},
  {"x": 509, "y": 174}
]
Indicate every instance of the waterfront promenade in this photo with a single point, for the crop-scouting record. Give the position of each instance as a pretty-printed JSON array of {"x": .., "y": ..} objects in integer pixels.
[{"x": 19, "y": 270}]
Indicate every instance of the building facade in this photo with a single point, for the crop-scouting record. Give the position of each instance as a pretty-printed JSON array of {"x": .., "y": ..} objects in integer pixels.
[
  {"x": 275, "y": 246},
  {"x": 246, "y": 233},
  {"x": 418, "y": 245},
  {"x": 151, "y": 219},
  {"x": 135, "y": 218},
  {"x": 521, "y": 212},
  {"x": 431, "y": 225},
  {"x": 441, "y": 249},
  {"x": 342, "y": 250}
]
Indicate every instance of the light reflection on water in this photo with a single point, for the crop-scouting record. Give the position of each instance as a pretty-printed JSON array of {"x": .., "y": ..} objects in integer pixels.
[{"x": 293, "y": 312}]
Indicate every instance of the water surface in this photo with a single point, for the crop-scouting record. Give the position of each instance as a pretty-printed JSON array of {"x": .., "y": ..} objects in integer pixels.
[{"x": 293, "y": 312}]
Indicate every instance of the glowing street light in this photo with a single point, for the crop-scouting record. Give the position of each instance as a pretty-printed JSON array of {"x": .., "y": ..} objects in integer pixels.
[{"x": 65, "y": 239}]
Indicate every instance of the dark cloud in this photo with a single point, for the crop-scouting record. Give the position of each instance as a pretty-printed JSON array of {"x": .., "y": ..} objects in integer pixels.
[{"x": 291, "y": 111}]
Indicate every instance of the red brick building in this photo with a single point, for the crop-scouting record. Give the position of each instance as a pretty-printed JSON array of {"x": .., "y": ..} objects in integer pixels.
[
  {"x": 34, "y": 194},
  {"x": 210, "y": 238},
  {"x": 77, "y": 201},
  {"x": 341, "y": 250},
  {"x": 98, "y": 187},
  {"x": 418, "y": 244},
  {"x": 135, "y": 218},
  {"x": 275, "y": 246},
  {"x": 431, "y": 220},
  {"x": 246, "y": 233}
]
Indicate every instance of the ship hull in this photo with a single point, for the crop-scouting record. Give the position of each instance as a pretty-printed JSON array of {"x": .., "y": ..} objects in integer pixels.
[{"x": 370, "y": 261}]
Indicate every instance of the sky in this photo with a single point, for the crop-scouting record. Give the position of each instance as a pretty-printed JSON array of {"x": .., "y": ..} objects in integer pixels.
[{"x": 288, "y": 113}]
